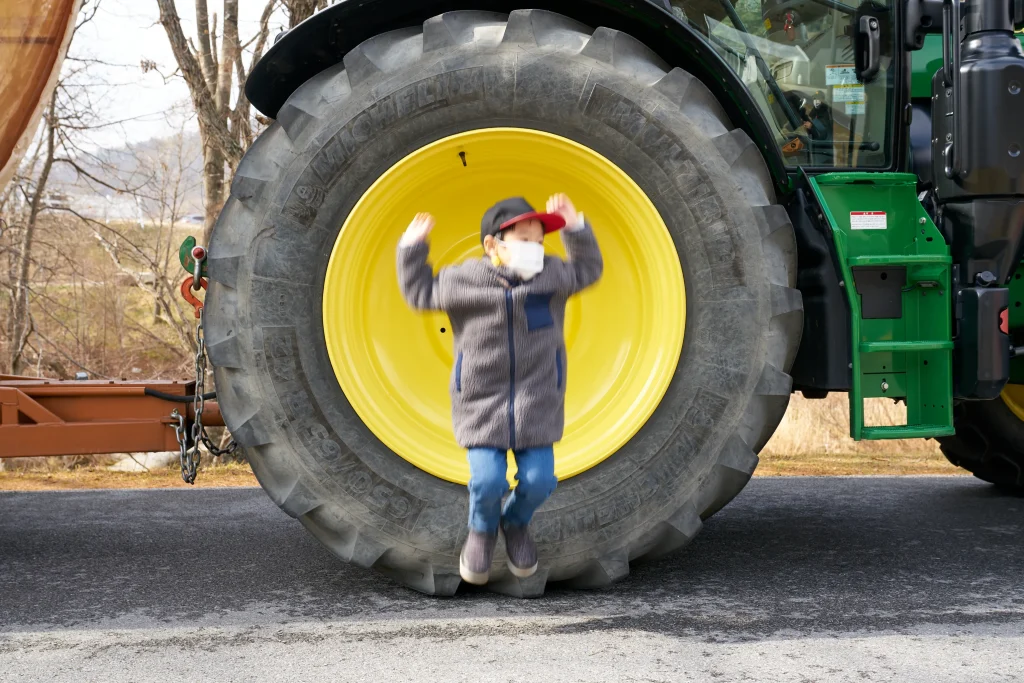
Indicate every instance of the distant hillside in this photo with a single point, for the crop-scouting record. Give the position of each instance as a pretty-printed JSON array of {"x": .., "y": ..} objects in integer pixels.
[{"x": 160, "y": 170}]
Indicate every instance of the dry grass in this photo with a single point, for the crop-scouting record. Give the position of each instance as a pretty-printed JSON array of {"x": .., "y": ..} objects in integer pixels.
[
  {"x": 98, "y": 477},
  {"x": 90, "y": 316},
  {"x": 814, "y": 439}
]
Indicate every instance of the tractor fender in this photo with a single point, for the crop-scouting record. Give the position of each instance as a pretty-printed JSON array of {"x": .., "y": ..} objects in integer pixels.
[{"x": 323, "y": 40}]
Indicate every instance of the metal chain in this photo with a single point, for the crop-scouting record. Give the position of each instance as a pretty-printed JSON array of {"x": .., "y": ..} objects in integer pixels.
[
  {"x": 198, "y": 400},
  {"x": 190, "y": 454},
  {"x": 199, "y": 434},
  {"x": 214, "y": 449},
  {"x": 189, "y": 464}
]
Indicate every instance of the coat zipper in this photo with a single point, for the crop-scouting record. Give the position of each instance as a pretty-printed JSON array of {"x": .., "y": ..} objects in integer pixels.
[
  {"x": 512, "y": 373},
  {"x": 458, "y": 373}
]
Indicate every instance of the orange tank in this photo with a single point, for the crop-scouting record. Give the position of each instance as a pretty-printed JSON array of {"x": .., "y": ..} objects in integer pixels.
[{"x": 34, "y": 37}]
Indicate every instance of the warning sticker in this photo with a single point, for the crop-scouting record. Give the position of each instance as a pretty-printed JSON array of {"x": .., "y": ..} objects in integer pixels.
[
  {"x": 856, "y": 108},
  {"x": 848, "y": 93},
  {"x": 868, "y": 220},
  {"x": 840, "y": 74}
]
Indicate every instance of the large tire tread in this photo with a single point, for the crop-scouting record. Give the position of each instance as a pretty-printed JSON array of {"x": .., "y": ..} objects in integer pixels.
[
  {"x": 730, "y": 152},
  {"x": 989, "y": 443}
]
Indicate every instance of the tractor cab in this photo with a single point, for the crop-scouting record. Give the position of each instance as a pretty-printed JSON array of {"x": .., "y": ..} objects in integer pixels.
[{"x": 798, "y": 59}]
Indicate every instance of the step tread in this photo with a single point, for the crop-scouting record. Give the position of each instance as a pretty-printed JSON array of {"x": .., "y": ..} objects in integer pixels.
[
  {"x": 907, "y": 346},
  {"x": 907, "y": 431},
  {"x": 900, "y": 260}
]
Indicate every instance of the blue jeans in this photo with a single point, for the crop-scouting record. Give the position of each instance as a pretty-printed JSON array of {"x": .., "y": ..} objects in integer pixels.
[{"x": 487, "y": 485}]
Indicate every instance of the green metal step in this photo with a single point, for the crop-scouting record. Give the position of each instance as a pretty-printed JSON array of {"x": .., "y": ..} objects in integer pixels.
[
  {"x": 907, "y": 432},
  {"x": 904, "y": 346},
  {"x": 910, "y": 356},
  {"x": 900, "y": 260}
]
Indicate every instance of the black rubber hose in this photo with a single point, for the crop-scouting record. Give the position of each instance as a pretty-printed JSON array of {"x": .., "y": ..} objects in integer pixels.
[{"x": 175, "y": 398}]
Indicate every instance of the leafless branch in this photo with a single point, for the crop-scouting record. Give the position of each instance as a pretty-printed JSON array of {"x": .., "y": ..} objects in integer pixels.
[
  {"x": 86, "y": 13},
  {"x": 205, "y": 53},
  {"x": 300, "y": 10},
  {"x": 213, "y": 51},
  {"x": 86, "y": 174},
  {"x": 57, "y": 347},
  {"x": 214, "y": 128},
  {"x": 229, "y": 50}
]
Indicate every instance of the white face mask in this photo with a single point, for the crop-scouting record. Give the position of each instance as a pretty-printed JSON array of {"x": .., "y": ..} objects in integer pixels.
[
  {"x": 817, "y": 103},
  {"x": 526, "y": 259}
]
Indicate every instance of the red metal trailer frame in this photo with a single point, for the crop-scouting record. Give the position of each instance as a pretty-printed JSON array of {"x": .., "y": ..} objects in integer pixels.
[{"x": 41, "y": 417}]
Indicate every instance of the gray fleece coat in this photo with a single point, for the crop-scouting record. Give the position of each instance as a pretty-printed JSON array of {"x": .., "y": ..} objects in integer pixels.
[{"x": 508, "y": 383}]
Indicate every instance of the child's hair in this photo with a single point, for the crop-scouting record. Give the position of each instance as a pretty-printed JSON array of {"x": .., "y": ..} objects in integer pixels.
[{"x": 501, "y": 233}]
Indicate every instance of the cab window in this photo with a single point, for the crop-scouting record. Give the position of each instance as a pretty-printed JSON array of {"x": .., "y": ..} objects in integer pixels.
[{"x": 799, "y": 60}]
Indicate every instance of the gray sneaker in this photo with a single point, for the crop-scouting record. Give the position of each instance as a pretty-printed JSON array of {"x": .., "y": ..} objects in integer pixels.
[
  {"x": 522, "y": 551},
  {"x": 476, "y": 556}
]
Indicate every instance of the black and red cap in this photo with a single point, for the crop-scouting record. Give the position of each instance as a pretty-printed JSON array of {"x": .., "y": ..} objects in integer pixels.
[{"x": 508, "y": 212}]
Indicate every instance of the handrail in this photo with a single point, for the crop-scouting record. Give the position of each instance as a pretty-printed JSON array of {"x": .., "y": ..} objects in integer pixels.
[{"x": 953, "y": 152}]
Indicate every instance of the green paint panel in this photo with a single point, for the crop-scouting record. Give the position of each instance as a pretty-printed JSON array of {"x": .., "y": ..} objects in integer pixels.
[
  {"x": 924, "y": 63},
  {"x": 877, "y": 222},
  {"x": 1017, "y": 322}
]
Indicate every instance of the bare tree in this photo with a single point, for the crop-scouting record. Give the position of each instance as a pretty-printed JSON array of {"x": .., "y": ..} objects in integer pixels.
[
  {"x": 215, "y": 75},
  {"x": 300, "y": 10},
  {"x": 60, "y": 312},
  {"x": 148, "y": 258},
  {"x": 56, "y": 310},
  {"x": 19, "y": 325}
]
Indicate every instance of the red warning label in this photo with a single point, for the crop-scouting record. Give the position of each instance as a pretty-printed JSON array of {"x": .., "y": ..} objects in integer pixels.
[{"x": 868, "y": 220}]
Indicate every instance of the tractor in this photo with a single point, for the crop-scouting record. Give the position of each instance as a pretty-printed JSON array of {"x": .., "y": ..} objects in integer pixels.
[{"x": 790, "y": 195}]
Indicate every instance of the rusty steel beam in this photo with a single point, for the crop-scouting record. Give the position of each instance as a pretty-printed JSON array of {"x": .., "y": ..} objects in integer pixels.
[{"x": 42, "y": 417}]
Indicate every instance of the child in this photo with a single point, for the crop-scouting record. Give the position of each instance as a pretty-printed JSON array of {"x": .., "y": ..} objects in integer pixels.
[{"x": 508, "y": 384}]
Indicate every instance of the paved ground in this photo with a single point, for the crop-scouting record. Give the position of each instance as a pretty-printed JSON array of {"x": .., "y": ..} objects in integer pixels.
[{"x": 865, "y": 579}]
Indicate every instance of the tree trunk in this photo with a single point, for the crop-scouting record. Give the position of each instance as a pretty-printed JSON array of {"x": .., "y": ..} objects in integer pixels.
[
  {"x": 226, "y": 65},
  {"x": 21, "y": 327},
  {"x": 213, "y": 186},
  {"x": 300, "y": 10},
  {"x": 205, "y": 53},
  {"x": 209, "y": 82},
  {"x": 213, "y": 172}
]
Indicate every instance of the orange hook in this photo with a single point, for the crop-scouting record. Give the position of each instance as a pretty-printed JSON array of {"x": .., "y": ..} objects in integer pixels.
[{"x": 186, "y": 292}]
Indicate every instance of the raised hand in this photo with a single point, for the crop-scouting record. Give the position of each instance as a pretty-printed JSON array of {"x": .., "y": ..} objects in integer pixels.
[
  {"x": 561, "y": 204},
  {"x": 418, "y": 230}
]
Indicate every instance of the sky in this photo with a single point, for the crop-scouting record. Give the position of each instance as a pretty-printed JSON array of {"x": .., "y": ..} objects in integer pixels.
[{"x": 125, "y": 32}]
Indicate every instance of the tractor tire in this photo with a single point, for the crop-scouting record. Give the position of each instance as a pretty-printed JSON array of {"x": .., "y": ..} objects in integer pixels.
[
  {"x": 989, "y": 443},
  {"x": 463, "y": 71}
]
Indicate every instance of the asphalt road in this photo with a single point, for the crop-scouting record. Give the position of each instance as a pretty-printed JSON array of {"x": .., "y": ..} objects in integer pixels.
[{"x": 860, "y": 579}]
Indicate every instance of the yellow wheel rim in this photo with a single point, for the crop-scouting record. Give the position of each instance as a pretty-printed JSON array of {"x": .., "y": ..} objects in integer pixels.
[
  {"x": 623, "y": 336},
  {"x": 1013, "y": 397}
]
